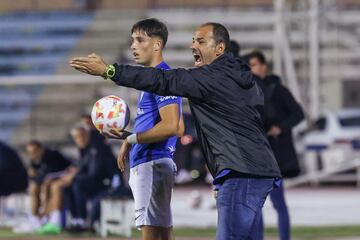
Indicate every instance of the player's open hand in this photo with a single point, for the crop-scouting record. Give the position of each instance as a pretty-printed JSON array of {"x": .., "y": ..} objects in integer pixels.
[
  {"x": 123, "y": 154},
  {"x": 92, "y": 64}
]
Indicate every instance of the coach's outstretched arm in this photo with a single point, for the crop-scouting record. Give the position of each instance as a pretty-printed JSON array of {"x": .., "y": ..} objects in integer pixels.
[{"x": 178, "y": 82}]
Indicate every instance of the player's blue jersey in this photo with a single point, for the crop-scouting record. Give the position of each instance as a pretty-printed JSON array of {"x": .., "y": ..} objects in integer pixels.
[{"x": 147, "y": 117}]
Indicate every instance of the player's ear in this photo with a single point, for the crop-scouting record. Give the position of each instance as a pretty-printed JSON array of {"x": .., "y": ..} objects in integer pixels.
[
  {"x": 158, "y": 45},
  {"x": 220, "y": 49}
]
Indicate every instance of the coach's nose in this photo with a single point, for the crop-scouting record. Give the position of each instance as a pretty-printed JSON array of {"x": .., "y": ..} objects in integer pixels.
[{"x": 192, "y": 45}]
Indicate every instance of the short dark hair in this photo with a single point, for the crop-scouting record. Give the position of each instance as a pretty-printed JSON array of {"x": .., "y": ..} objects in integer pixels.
[
  {"x": 152, "y": 27},
  {"x": 221, "y": 34},
  {"x": 259, "y": 55}
]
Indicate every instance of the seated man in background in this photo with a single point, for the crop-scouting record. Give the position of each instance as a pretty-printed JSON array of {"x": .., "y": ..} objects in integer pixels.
[
  {"x": 45, "y": 166},
  {"x": 95, "y": 135},
  {"x": 96, "y": 169},
  {"x": 13, "y": 177}
]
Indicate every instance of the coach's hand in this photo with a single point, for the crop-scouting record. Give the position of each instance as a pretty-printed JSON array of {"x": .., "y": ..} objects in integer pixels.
[
  {"x": 123, "y": 154},
  {"x": 92, "y": 64}
]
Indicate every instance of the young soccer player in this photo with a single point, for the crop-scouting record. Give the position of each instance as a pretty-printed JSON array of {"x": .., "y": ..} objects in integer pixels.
[{"x": 151, "y": 147}]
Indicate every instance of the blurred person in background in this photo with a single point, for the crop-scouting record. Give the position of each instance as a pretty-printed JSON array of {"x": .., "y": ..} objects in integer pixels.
[
  {"x": 95, "y": 134},
  {"x": 13, "y": 175},
  {"x": 188, "y": 155},
  {"x": 281, "y": 114},
  {"x": 96, "y": 169},
  {"x": 46, "y": 165}
]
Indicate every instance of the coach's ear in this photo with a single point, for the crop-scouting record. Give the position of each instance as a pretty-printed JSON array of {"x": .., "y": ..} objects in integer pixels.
[{"x": 220, "y": 49}]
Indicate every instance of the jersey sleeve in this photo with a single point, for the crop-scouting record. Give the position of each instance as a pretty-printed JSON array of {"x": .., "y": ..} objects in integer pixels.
[{"x": 163, "y": 101}]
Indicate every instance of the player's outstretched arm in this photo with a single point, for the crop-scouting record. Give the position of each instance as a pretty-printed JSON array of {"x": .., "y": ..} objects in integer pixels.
[{"x": 176, "y": 82}]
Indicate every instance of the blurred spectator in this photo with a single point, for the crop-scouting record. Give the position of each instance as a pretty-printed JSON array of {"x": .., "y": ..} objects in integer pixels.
[
  {"x": 45, "y": 165},
  {"x": 96, "y": 169},
  {"x": 188, "y": 155},
  {"x": 281, "y": 114},
  {"x": 13, "y": 177},
  {"x": 95, "y": 134}
]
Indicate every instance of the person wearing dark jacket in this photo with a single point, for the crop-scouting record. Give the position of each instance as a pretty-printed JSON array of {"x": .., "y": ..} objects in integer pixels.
[
  {"x": 225, "y": 102},
  {"x": 43, "y": 163},
  {"x": 96, "y": 168},
  {"x": 13, "y": 177},
  {"x": 281, "y": 114}
]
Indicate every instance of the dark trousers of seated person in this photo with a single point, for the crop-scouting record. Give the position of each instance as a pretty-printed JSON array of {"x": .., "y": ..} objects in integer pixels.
[{"x": 78, "y": 194}]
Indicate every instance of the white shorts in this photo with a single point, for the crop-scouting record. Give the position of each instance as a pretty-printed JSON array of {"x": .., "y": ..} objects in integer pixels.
[{"x": 151, "y": 184}]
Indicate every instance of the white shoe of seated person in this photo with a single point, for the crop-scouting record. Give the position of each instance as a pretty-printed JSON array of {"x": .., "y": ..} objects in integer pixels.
[{"x": 30, "y": 225}]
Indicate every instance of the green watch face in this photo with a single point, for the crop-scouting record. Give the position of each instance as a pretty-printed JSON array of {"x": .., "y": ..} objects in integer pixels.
[{"x": 110, "y": 71}]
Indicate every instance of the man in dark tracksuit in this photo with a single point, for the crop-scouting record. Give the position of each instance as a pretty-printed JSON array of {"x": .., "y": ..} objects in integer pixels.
[
  {"x": 225, "y": 102},
  {"x": 96, "y": 168},
  {"x": 281, "y": 114}
]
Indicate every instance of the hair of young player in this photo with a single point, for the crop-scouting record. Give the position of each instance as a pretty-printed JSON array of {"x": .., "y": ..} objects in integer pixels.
[{"x": 152, "y": 27}]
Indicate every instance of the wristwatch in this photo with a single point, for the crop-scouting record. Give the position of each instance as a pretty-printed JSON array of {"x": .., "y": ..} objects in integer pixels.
[{"x": 109, "y": 72}]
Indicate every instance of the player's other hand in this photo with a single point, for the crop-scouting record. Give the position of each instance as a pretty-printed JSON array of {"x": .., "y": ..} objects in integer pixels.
[
  {"x": 274, "y": 131},
  {"x": 116, "y": 134},
  {"x": 92, "y": 64},
  {"x": 123, "y": 155}
]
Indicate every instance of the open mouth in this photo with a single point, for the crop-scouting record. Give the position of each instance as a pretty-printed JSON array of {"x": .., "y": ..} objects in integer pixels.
[{"x": 198, "y": 59}]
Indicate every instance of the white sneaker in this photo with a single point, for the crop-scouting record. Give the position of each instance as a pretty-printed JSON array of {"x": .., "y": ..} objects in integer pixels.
[{"x": 25, "y": 227}]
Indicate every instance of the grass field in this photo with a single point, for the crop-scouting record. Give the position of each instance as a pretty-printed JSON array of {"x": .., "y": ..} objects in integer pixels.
[{"x": 298, "y": 233}]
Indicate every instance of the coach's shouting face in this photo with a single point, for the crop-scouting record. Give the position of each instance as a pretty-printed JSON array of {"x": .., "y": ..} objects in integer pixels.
[{"x": 207, "y": 44}]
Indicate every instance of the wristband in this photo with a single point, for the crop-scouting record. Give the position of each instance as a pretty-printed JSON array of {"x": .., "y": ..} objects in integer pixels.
[{"x": 132, "y": 139}]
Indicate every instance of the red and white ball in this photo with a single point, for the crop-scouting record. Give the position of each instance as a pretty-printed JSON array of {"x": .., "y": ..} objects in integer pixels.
[{"x": 110, "y": 112}]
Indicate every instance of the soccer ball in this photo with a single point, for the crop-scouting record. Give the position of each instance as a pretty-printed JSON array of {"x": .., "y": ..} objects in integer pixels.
[{"x": 110, "y": 112}]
